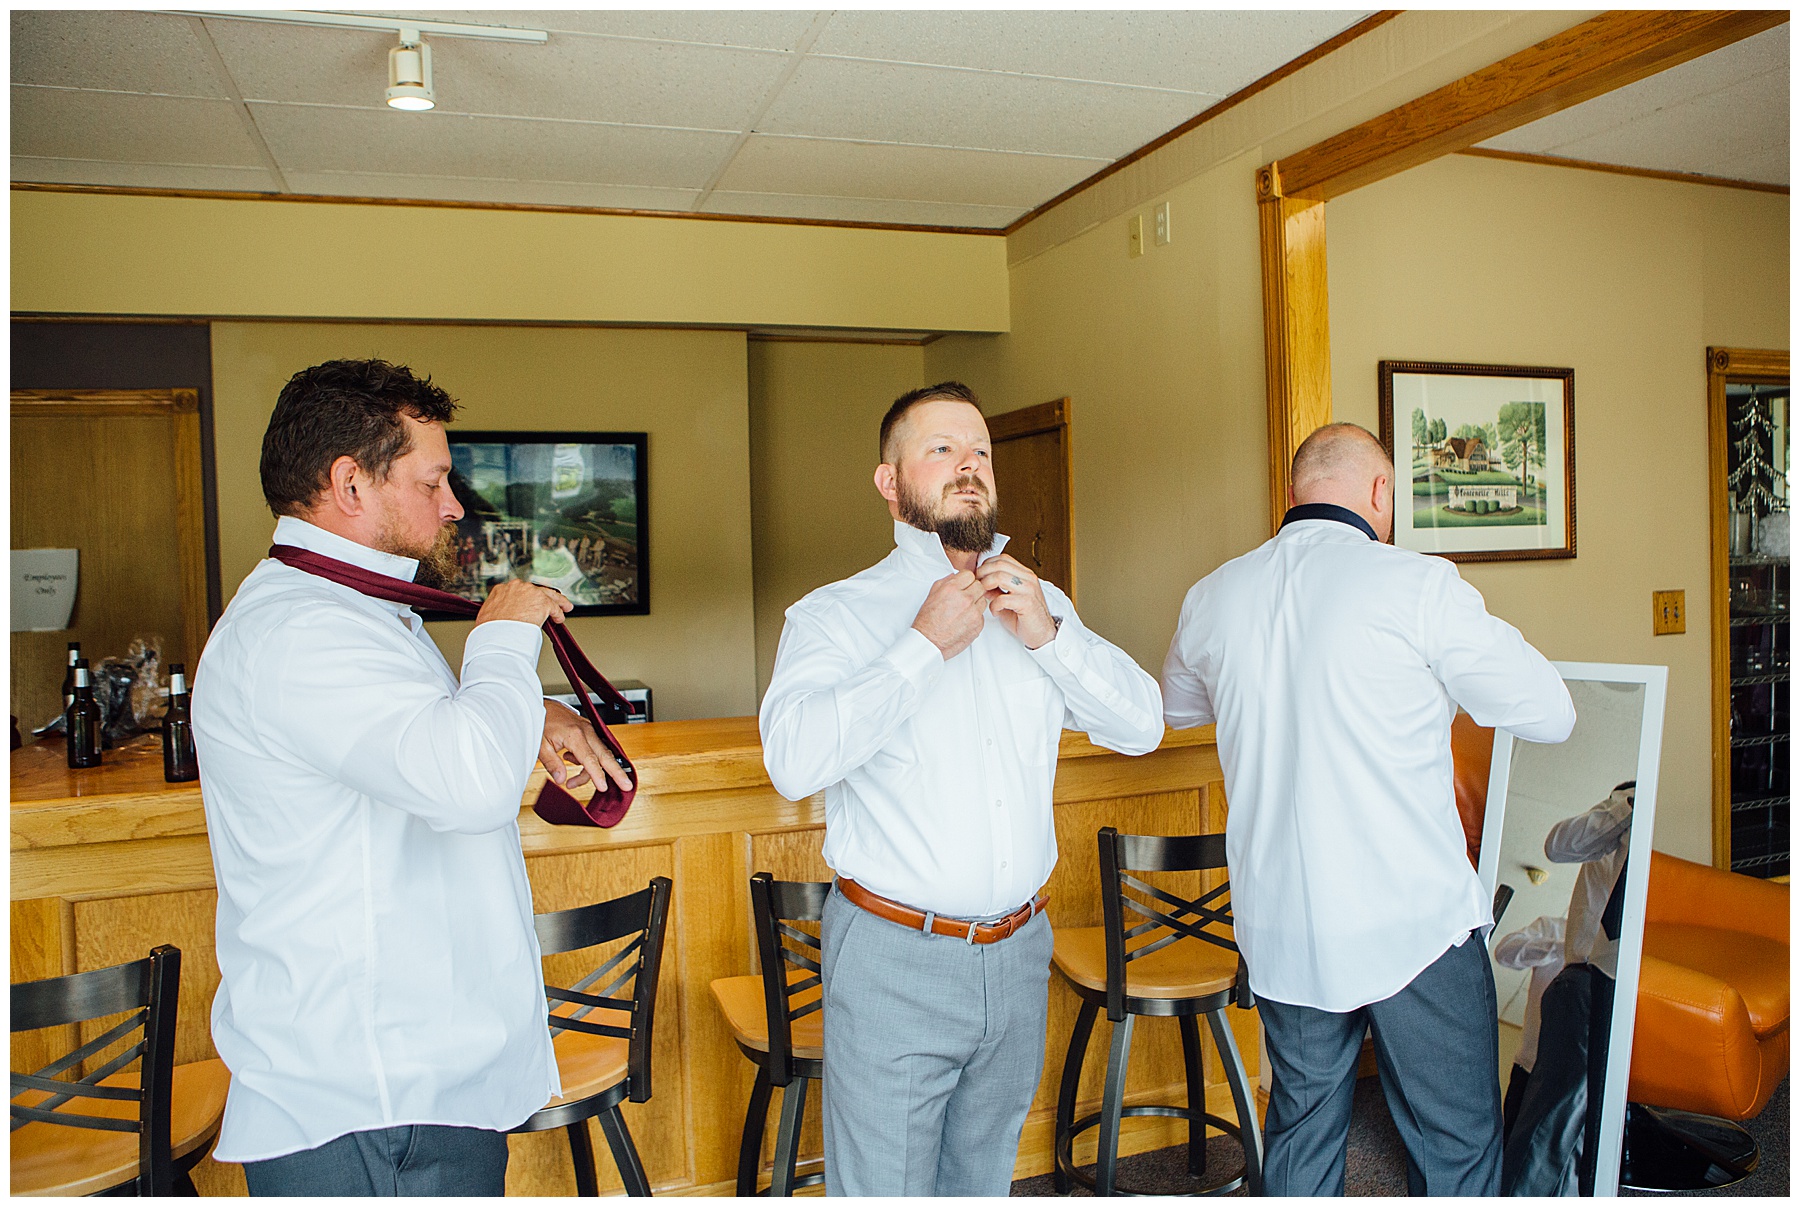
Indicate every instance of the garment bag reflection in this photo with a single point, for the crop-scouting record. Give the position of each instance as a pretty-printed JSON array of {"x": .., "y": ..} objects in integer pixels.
[{"x": 1566, "y": 837}]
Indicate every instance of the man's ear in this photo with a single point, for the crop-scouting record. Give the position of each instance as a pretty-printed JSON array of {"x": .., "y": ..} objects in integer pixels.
[
  {"x": 887, "y": 482},
  {"x": 346, "y": 482}
]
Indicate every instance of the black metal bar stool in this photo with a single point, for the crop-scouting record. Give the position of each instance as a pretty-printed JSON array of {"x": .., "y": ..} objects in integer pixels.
[
  {"x": 1186, "y": 971},
  {"x": 778, "y": 1022},
  {"x": 604, "y": 1063}
]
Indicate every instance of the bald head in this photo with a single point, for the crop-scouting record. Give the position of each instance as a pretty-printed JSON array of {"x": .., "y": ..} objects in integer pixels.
[{"x": 1342, "y": 463}]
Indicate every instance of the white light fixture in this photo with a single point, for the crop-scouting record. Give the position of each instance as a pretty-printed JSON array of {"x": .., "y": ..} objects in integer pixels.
[{"x": 409, "y": 74}]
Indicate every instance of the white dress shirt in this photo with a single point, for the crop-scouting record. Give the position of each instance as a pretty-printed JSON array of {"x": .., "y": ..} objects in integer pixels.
[
  {"x": 1538, "y": 947},
  {"x": 374, "y": 930},
  {"x": 1598, "y": 840},
  {"x": 1333, "y": 664},
  {"x": 938, "y": 773}
]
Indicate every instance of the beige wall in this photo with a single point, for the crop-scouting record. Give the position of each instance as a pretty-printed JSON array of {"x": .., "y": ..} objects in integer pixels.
[
  {"x": 1626, "y": 280},
  {"x": 686, "y": 389},
  {"x": 102, "y": 254},
  {"x": 815, "y": 409}
]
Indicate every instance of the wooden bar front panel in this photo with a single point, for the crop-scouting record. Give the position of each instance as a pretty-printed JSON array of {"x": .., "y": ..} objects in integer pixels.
[{"x": 99, "y": 879}]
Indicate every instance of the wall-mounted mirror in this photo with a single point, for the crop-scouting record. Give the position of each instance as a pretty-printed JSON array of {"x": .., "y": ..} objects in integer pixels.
[{"x": 1567, "y": 856}]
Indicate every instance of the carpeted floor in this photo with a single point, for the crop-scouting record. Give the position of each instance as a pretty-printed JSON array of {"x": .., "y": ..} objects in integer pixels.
[{"x": 1377, "y": 1163}]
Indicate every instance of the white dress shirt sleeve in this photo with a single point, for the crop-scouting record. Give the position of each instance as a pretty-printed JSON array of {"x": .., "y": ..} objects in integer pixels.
[
  {"x": 1185, "y": 700},
  {"x": 457, "y": 758},
  {"x": 1106, "y": 694},
  {"x": 1488, "y": 667},
  {"x": 1535, "y": 946},
  {"x": 824, "y": 716},
  {"x": 1590, "y": 835}
]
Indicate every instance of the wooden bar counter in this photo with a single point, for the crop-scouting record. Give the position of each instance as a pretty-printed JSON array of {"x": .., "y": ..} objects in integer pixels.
[{"x": 110, "y": 861}]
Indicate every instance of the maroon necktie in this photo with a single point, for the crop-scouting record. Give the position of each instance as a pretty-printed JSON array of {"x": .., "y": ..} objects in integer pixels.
[{"x": 554, "y": 804}]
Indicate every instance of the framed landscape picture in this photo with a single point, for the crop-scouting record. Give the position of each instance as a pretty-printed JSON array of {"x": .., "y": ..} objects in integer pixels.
[
  {"x": 565, "y": 509},
  {"x": 1484, "y": 459}
]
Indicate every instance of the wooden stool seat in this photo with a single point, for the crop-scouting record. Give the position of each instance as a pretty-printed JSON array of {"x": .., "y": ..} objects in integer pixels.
[
  {"x": 588, "y": 1064},
  {"x": 70, "y": 1161},
  {"x": 740, "y": 1000},
  {"x": 1186, "y": 968}
]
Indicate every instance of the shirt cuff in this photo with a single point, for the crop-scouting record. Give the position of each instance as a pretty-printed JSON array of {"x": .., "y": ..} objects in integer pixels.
[
  {"x": 916, "y": 658},
  {"x": 504, "y": 637}
]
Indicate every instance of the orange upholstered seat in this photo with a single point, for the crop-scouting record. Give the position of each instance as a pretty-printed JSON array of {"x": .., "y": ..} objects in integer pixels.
[{"x": 1712, "y": 1012}]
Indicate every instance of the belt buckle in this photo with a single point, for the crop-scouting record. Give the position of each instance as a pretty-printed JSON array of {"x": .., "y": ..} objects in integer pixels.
[{"x": 970, "y": 937}]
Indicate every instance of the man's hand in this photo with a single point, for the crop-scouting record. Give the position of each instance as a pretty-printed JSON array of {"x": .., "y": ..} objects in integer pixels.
[
  {"x": 953, "y": 613},
  {"x": 1016, "y": 596},
  {"x": 515, "y": 600},
  {"x": 566, "y": 730}
]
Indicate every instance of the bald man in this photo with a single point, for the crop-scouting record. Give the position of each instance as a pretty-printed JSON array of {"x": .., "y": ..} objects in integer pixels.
[{"x": 1332, "y": 664}]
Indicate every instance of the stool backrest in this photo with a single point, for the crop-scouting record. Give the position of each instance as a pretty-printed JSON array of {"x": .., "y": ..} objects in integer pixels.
[
  {"x": 149, "y": 989},
  {"x": 642, "y": 916},
  {"x": 785, "y": 951},
  {"x": 1124, "y": 899}
]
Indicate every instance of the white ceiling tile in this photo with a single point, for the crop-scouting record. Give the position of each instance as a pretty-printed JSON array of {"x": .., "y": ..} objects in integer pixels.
[
  {"x": 588, "y": 79},
  {"x": 126, "y": 51},
  {"x": 886, "y": 102},
  {"x": 65, "y": 124},
  {"x": 848, "y": 169},
  {"x": 862, "y": 209},
  {"x": 510, "y": 192},
  {"x": 1728, "y": 109},
  {"x": 315, "y": 138},
  {"x": 1213, "y": 52},
  {"x": 141, "y": 175},
  {"x": 757, "y": 30}
]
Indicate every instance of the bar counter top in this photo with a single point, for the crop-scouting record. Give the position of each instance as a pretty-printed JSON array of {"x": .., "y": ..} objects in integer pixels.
[{"x": 125, "y": 798}]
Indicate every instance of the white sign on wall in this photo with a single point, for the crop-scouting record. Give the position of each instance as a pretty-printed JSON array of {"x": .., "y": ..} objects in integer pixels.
[{"x": 43, "y": 589}]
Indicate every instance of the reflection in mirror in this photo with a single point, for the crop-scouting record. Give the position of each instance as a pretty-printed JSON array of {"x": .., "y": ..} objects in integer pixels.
[{"x": 1568, "y": 858}]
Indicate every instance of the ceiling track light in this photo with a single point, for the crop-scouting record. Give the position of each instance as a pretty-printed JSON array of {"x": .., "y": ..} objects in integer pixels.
[
  {"x": 409, "y": 74},
  {"x": 409, "y": 63}
]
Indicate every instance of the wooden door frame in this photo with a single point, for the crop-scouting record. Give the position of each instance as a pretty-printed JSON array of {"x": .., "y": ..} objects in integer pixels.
[
  {"x": 1726, "y": 366},
  {"x": 1030, "y": 421},
  {"x": 1607, "y": 52},
  {"x": 182, "y": 406}
]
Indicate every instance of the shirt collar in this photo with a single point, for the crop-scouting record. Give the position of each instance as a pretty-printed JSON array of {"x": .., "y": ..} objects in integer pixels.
[
  {"x": 291, "y": 530},
  {"x": 1329, "y": 511},
  {"x": 930, "y": 546}
]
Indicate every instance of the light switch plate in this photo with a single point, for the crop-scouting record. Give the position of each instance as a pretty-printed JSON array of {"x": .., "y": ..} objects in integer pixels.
[{"x": 1670, "y": 612}]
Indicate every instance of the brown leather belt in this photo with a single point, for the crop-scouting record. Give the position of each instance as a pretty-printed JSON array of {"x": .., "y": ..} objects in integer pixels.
[{"x": 950, "y": 928}]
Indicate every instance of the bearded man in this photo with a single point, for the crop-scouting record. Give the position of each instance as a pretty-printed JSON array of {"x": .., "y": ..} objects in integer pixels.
[
  {"x": 926, "y": 696},
  {"x": 381, "y": 1004}
]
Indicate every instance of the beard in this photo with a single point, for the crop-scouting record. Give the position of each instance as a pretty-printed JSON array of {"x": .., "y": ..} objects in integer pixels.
[
  {"x": 962, "y": 530},
  {"x": 437, "y": 561}
]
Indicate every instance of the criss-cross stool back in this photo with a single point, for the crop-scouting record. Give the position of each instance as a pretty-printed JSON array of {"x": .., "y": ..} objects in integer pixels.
[
  {"x": 1155, "y": 954},
  {"x": 603, "y": 1025},
  {"x": 110, "y": 1100},
  {"x": 778, "y": 1021}
]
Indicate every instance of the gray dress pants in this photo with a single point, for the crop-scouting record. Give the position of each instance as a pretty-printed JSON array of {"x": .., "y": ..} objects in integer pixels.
[
  {"x": 1437, "y": 1046},
  {"x": 420, "y": 1159},
  {"x": 933, "y": 1051}
]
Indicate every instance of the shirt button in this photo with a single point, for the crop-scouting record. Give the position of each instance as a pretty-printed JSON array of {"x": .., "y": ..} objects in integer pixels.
[
  {"x": 1003, "y": 864},
  {"x": 996, "y": 804},
  {"x": 990, "y": 741}
]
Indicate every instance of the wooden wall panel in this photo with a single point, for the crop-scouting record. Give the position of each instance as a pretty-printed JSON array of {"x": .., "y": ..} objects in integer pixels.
[
  {"x": 43, "y": 935},
  {"x": 116, "y": 930}
]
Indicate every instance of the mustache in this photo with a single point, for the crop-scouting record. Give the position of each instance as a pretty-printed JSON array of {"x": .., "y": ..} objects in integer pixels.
[{"x": 966, "y": 482}]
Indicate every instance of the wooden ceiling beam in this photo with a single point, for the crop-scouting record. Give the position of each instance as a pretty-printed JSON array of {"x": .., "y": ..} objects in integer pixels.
[{"x": 1608, "y": 52}]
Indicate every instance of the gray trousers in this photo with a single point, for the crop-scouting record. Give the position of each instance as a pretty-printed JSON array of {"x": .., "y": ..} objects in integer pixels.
[
  {"x": 933, "y": 1051},
  {"x": 422, "y": 1159},
  {"x": 1437, "y": 1046}
]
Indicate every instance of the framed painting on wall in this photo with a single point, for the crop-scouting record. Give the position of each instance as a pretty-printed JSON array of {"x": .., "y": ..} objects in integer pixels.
[
  {"x": 564, "y": 509},
  {"x": 1484, "y": 459}
]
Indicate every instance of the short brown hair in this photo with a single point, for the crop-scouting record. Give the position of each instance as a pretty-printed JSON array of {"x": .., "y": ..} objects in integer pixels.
[
  {"x": 943, "y": 391},
  {"x": 342, "y": 408}
]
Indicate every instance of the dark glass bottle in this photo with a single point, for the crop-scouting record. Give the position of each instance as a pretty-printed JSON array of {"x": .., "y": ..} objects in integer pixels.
[
  {"x": 69, "y": 675},
  {"x": 180, "y": 763},
  {"x": 81, "y": 720}
]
